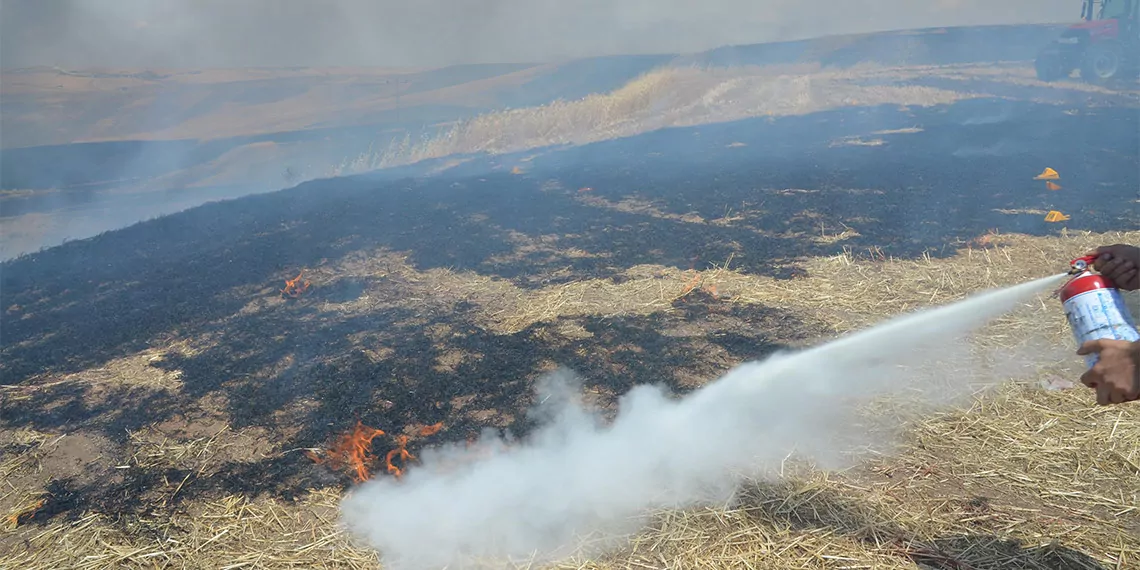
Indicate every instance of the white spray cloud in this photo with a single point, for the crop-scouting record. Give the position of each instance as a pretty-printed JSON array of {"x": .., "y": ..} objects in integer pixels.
[{"x": 578, "y": 480}]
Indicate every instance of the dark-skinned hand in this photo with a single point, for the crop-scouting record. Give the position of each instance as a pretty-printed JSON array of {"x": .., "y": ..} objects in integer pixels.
[
  {"x": 1120, "y": 263},
  {"x": 1116, "y": 375}
]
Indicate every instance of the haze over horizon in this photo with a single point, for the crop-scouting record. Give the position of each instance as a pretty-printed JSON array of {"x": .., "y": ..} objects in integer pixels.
[{"x": 426, "y": 33}]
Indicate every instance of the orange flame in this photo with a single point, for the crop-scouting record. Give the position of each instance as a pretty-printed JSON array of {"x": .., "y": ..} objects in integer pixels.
[
  {"x": 402, "y": 452},
  {"x": 691, "y": 285},
  {"x": 24, "y": 513},
  {"x": 987, "y": 239},
  {"x": 695, "y": 284},
  {"x": 351, "y": 449},
  {"x": 294, "y": 288}
]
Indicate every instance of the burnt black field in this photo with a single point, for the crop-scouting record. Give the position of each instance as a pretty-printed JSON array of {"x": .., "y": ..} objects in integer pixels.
[{"x": 947, "y": 175}]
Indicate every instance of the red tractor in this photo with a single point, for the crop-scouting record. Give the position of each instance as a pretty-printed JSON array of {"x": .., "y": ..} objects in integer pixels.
[{"x": 1105, "y": 46}]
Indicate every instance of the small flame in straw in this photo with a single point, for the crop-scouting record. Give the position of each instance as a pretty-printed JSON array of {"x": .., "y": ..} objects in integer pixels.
[
  {"x": 353, "y": 450},
  {"x": 294, "y": 287},
  {"x": 402, "y": 452}
]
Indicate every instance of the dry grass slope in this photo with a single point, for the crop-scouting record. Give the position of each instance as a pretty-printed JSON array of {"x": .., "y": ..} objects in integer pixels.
[
  {"x": 1023, "y": 478},
  {"x": 687, "y": 96},
  {"x": 674, "y": 96}
]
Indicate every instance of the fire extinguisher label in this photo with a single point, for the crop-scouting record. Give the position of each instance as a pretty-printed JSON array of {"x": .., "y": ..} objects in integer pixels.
[{"x": 1098, "y": 314}]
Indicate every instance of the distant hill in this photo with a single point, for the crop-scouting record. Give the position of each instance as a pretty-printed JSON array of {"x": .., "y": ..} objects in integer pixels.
[{"x": 930, "y": 46}]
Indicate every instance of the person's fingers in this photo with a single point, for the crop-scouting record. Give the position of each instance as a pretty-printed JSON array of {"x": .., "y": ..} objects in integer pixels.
[
  {"x": 1122, "y": 272},
  {"x": 1090, "y": 378},
  {"x": 1121, "y": 266},
  {"x": 1109, "y": 267},
  {"x": 1133, "y": 394},
  {"x": 1103, "y": 394},
  {"x": 1126, "y": 279},
  {"x": 1090, "y": 346}
]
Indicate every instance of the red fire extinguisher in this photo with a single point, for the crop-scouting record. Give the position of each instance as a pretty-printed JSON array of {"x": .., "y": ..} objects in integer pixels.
[{"x": 1094, "y": 307}]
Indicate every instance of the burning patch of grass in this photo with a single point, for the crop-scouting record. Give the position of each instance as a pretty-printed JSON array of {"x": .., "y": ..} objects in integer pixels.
[
  {"x": 25, "y": 507},
  {"x": 352, "y": 450},
  {"x": 22, "y": 450},
  {"x": 295, "y": 287}
]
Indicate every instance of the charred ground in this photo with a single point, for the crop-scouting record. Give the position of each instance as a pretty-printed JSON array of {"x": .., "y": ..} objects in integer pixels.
[{"x": 178, "y": 323}]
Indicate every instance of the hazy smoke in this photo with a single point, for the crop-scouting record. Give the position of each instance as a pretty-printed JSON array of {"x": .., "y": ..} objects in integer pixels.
[
  {"x": 78, "y": 34},
  {"x": 577, "y": 480},
  {"x": 212, "y": 33}
]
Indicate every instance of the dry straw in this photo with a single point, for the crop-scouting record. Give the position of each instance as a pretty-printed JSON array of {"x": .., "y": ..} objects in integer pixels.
[
  {"x": 1023, "y": 478},
  {"x": 668, "y": 97}
]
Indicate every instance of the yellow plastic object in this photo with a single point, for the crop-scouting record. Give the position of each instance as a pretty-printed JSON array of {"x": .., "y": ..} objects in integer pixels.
[
  {"x": 1052, "y": 186},
  {"x": 1055, "y": 216},
  {"x": 1048, "y": 174}
]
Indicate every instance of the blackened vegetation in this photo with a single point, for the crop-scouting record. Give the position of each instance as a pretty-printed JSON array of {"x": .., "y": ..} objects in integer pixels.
[{"x": 762, "y": 191}]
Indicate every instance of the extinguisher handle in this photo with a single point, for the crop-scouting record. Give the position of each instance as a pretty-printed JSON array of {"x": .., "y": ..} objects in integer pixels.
[{"x": 1081, "y": 263}]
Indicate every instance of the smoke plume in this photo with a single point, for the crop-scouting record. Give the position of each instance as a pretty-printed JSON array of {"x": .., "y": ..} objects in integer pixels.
[
  {"x": 219, "y": 33},
  {"x": 579, "y": 481}
]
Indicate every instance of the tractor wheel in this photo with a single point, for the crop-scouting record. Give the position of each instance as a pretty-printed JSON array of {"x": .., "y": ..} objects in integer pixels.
[
  {"x": 1050, "y": 67},
  {"x": 1102, "y": 64}
]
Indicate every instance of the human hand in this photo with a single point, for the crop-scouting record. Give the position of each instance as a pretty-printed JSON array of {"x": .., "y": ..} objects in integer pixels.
[
  {"x": 1120, "y": 263},
  {"x": 1116, "y": 375}
]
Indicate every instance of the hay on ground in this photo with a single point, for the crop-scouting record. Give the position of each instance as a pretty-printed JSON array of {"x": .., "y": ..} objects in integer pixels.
[{"x": 1023, "y": 478}]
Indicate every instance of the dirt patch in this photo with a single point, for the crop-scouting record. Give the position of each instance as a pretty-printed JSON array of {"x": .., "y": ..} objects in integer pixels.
[
  {"x": 39, "y": 469},
  {"x": 74, "y": 455}
]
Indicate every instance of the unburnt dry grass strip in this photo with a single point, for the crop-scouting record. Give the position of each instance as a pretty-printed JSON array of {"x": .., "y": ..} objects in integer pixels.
[{"x": 674, "y": 96}]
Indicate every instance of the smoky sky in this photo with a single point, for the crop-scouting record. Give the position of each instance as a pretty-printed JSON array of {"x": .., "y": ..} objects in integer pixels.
[{"x": 236, "y": 33}]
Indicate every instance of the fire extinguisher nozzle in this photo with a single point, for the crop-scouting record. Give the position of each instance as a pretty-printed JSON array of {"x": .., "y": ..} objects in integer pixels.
[{"x": 1080, "y": 264}]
